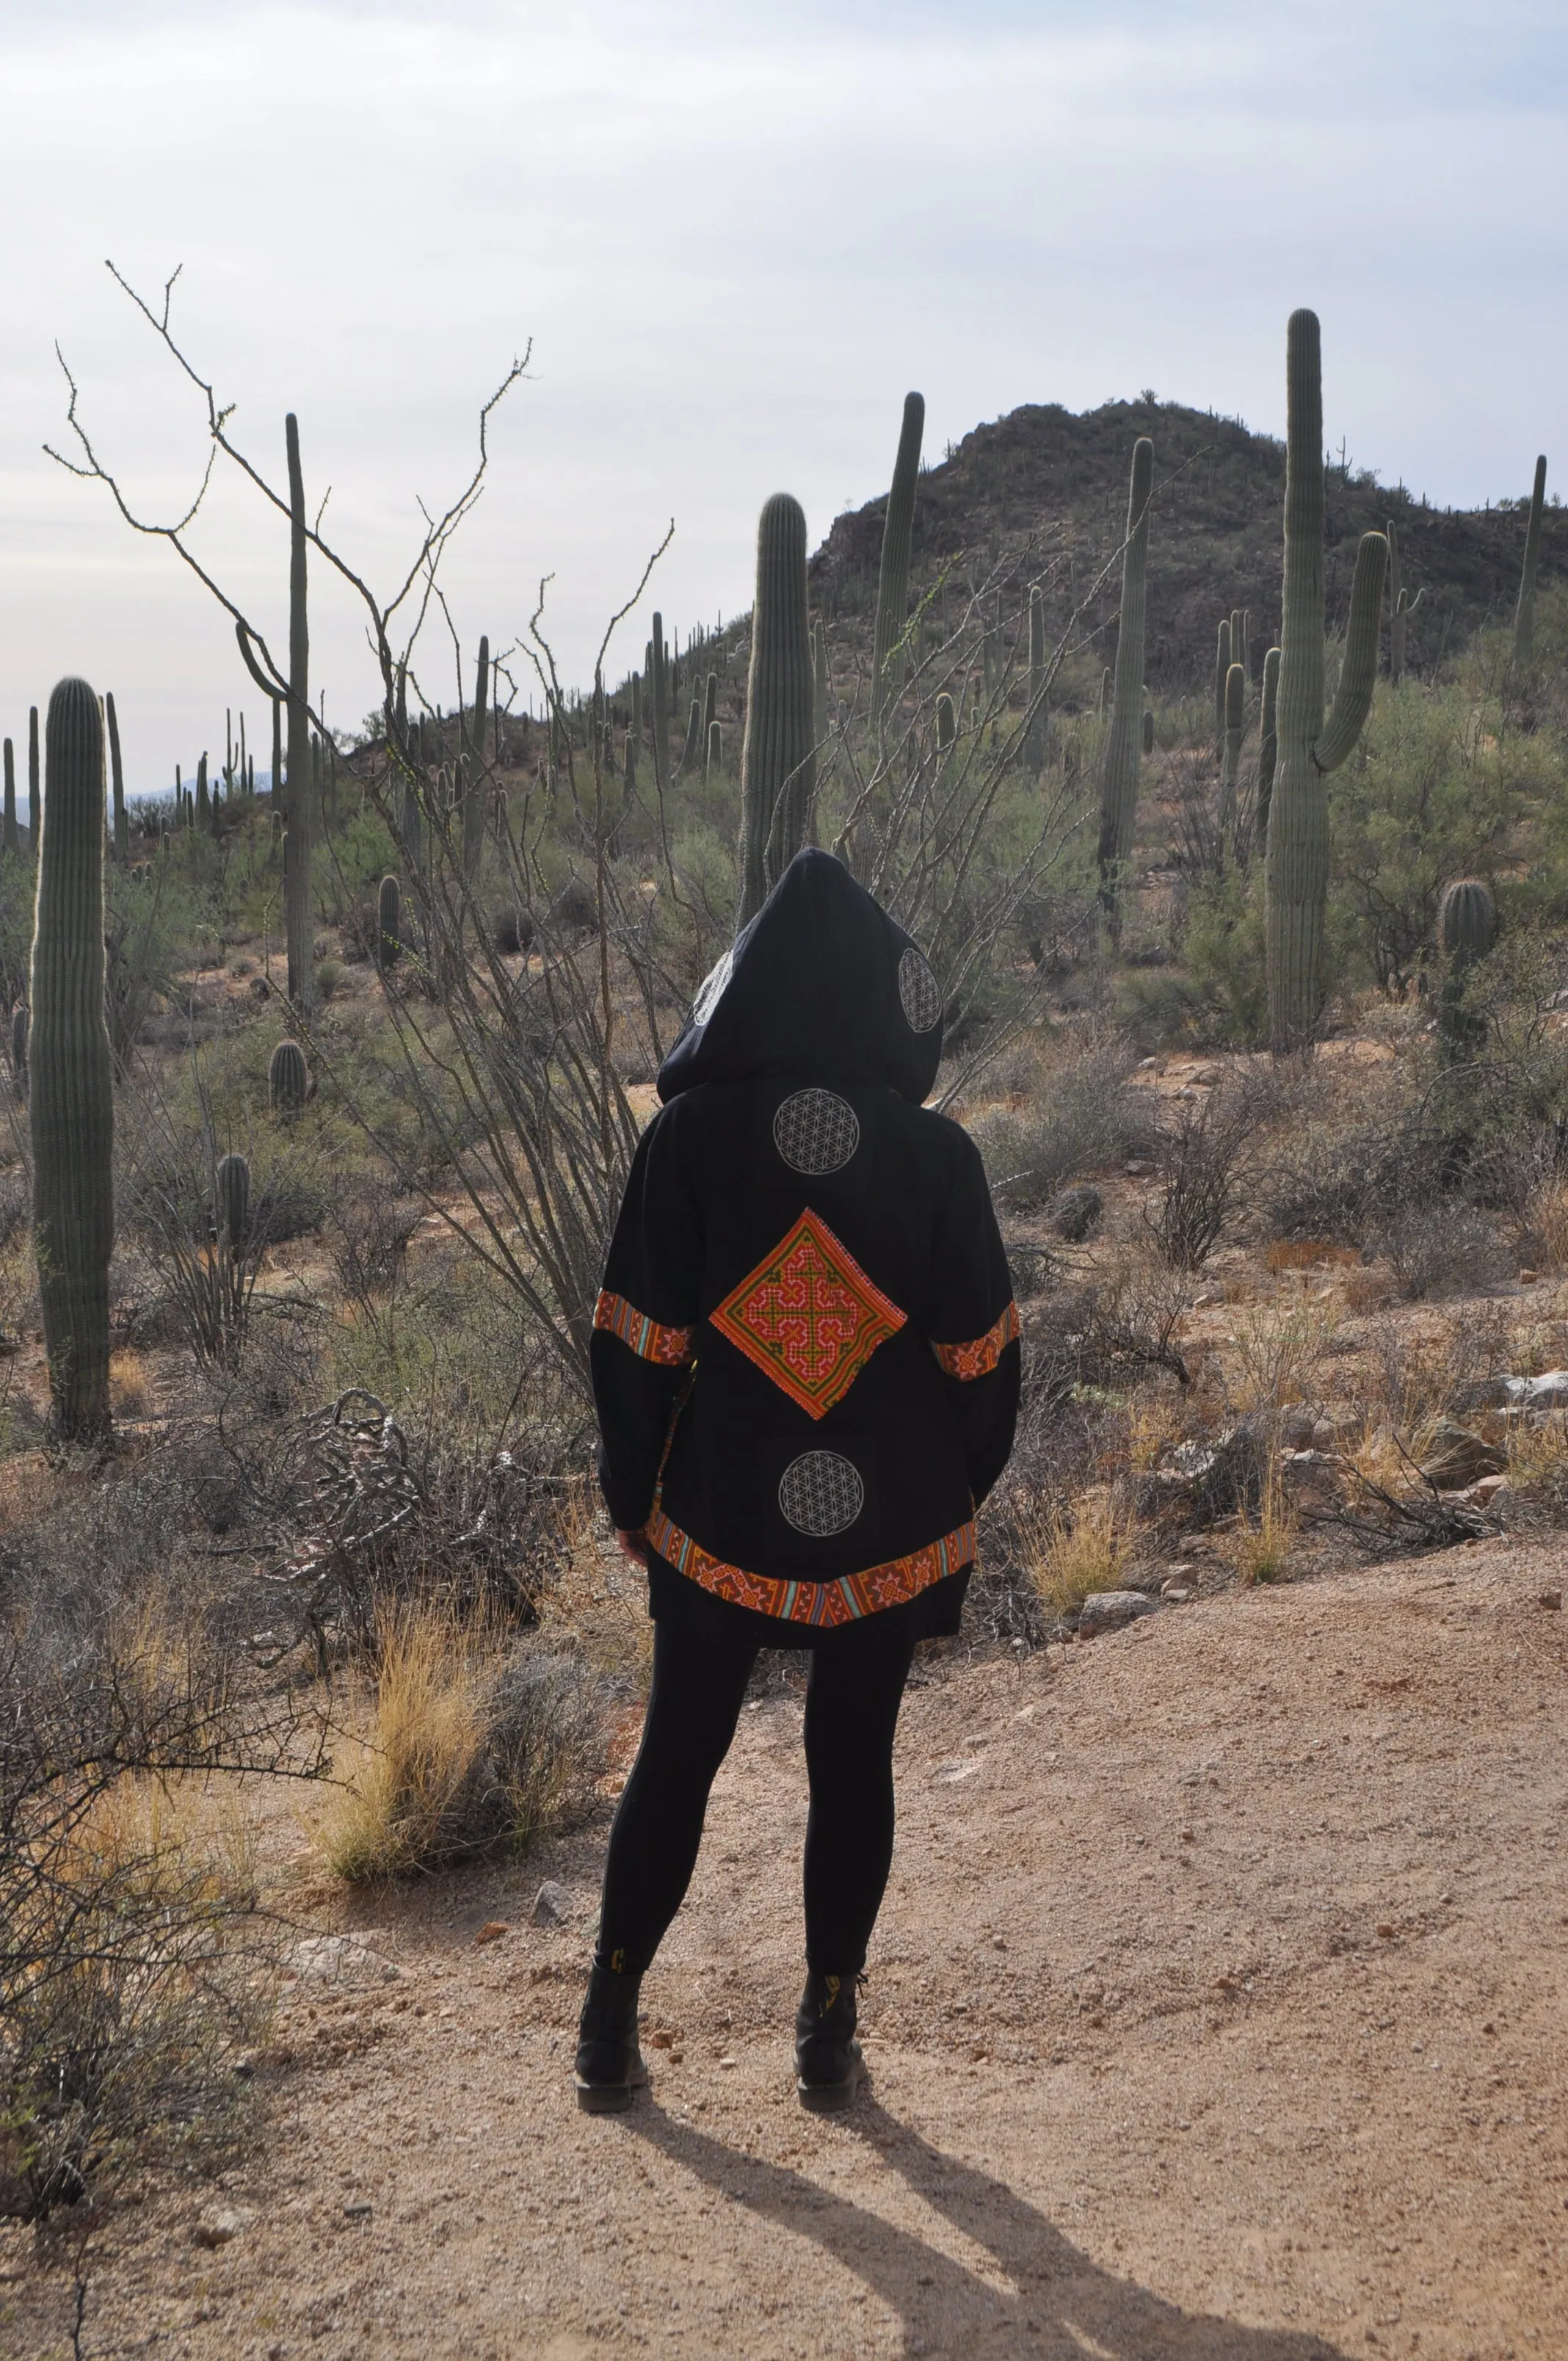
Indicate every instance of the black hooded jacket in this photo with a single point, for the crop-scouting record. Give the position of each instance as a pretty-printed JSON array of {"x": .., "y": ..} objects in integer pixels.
[{"x": 805, "y": 1359}]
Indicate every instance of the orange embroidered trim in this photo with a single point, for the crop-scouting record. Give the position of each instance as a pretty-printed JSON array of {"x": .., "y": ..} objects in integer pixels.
[
  {"x": 808, "y": 1316},
  {"x": 848, "y": 1600},
  {"x": 670, "y": 1347},
  {"x": 978, "y": 1360}
]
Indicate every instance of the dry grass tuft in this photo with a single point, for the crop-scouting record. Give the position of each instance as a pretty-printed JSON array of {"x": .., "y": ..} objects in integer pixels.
[
  {"x": 465, "y": 1750},
  {"x": 129, "y": 1390},
  {"x": 1262, "y": 1548},
  {"x": 1089, "y": 1549}
]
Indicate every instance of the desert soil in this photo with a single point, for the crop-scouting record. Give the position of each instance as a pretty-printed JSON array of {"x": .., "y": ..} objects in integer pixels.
[{"x": 1216, "y": 2010}]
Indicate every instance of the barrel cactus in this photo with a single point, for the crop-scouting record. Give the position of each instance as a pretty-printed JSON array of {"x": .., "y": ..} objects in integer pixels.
[
  {"x": 1524, "y": 616},
  {"x": 287, "y": 1078},
  {"x": 1123, "y": 745},
  {"x": 388, "y": 923},
  {"x": 778, "y": 768},
  {"x": 72, "y": 1100},
  {"x": 231, "y": 1205},
  {"x": 897, "y": 541},
  {"x": 1466, "y": 919},
  {"x": 1298, "y": 871}
]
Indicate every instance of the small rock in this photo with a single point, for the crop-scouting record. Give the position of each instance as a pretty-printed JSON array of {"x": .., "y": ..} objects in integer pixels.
[
  {"x": 1460, "y": 1457},
  {"x": 552, "y": 1905},
  {"x": 1174, "y": 1593},
  {"x": 339, "y": 1960},
  {"x": 492, "y": 1930},
  {"x": 1528, "y": 1278},
  {"x": 1552, "y": 1600},
  {"x": 1297, "y": 1428},
  {"x": 1075, "y": 1213},
  {"x": 218, "y": 2224},
  {"x": 1548, "y": 1391},
  {"x": 1108, "y": 1610},
  {"x": 358, "y": 2209},
  {"x": 1147, "y": 1065},
  {"x": 1137, "y": 1167}
]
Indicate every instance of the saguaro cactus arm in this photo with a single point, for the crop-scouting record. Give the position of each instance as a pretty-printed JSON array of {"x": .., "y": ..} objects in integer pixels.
[{"x": 1358, "y": 673}]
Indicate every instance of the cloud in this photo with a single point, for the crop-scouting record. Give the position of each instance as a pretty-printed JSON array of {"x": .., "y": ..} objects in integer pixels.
[{"x": 735, "y": 239}]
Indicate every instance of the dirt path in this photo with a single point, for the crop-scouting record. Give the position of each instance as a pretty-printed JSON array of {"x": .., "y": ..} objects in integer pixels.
[{"x": 1217, "y": 2010}]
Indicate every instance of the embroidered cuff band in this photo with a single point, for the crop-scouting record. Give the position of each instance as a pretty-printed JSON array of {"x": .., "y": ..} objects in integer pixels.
[
  {"x": 670, "y": 1347},
  {"x": 978, "y": 1360}
]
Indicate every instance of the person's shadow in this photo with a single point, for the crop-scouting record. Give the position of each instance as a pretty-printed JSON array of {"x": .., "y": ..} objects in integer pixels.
[{"x": 1060, "y": 2302}]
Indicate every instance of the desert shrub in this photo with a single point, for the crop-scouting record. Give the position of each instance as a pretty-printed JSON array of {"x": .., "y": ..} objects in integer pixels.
[
  {"x": 1207, "y": 1158},
  {"x": 461, "y": 1754},
  {"x": 1084, "y": 1115},
  {"x": 1444, "y": 1248},
  {"x": 1278, "y": 1345}
]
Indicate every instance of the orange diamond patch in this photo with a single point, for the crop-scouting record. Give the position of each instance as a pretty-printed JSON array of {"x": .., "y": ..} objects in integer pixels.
[{"x": 808, "y": 1316}]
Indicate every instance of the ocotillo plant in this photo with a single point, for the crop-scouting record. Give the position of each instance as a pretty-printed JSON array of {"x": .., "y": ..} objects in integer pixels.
[
  {"x": 72, "y": 1070},
  {"x": 472, "y": 760},
  {"x": 778, "y": 769},
  {"x": 116, "y": 773},
  {"x": 1298, "y": 871},
  {"x": 1123, "y": 746},
  {"x": 1231, "y": 762},
  {"x": 299, "y": 918},
  {"x": 660, "y": 685},
  {"x": 1524, "y": 616},
  {"x": 35, "y": 799},
  {"x": 388, "y": 923},
  {"x": 9, "y": 839},
  {"x": 1035, "y": 734},
  {"x": 287, "y": 1078},
  {"x": 1267, "y": 747},
  {"x": 231, "y": 1202},
  {"x": 897, "y": 540}
]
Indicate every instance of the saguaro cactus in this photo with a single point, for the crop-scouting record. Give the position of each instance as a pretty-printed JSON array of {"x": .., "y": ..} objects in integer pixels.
[
  {"x": 1467, "y": 930},
  {"x": 1524, "y": 616},
  {"x": 691, "y": 751},
  {"x": 897, "y": 540},
  {"x": 1148, "y": 732},
  {"x": 713, "y": 753},
  {"x": 821, "y": 681},
  {"x": 388, "y": 923},
  {"x": 1035, "y": 734},
  {"x": 35, "y": 800},
  {"x": 473, "y": 761},
  {"x": 299, "y": 918},
  {"x": 72, "y": 1070},
  {"x": 1123, "y": 745},
  {"x": 1231, "y": 760},
  {"x": 1222, "y": 673},
  {"x": 287, "y": 1078},
  {"x": 778, "y": 767},
  {"x": 1298, "y": 875},
  {"x": 1267, "y": 745},
  {"x": 659, "y": 683},
  {"x": 231, "y": 1206},
  {"x": 117, "y": 777},
  {"x": 10, "y": 839},
  {"x": 1401, "y": 606}
]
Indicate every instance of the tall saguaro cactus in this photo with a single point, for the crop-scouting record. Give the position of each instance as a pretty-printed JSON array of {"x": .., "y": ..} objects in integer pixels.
[
  {"x": 299, "y": 919},
  {"x": 73, "y": 1104},
  {"x": 35, "y": 798},
  {"x": 1298, "y": 871},
  {"x": 1123, "y": 745},
  {"x": 659, "y": 683},
  {"x": 117, "y": 779},
  {"x": 10, "y": 840},
  {"x": 1035, "y": 735},
  {"x": 473, "y": 760},
  {"x": 778, "y": 767},
  {"x": 897, "y": 541},
  {"x": 1524, "y": 616},
  {"x": 1231, "y": 760}
]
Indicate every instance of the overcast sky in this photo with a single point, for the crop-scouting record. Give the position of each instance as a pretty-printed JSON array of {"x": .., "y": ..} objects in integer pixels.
[{"x": 735, "y": 235}]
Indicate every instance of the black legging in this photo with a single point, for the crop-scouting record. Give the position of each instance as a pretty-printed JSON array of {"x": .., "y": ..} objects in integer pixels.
[{"x": 852, "y": 1698}]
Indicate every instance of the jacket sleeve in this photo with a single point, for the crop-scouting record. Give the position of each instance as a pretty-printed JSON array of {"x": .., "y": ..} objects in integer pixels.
[
  {"x": 645, "y": 1321},
  {"x": 974, "y": 1326}
]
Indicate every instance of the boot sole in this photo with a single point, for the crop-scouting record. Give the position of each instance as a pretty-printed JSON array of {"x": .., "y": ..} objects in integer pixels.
[
  {"x": 827, "y": 2098},
  {"x": 605, "y": 2098}
]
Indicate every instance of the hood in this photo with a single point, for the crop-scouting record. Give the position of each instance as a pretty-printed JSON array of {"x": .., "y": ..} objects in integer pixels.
[{"x": 822, "y": 983}]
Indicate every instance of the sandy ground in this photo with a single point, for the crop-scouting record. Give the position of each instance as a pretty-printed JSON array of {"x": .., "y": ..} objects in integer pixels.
[{"x": 1216, "y": 2010}]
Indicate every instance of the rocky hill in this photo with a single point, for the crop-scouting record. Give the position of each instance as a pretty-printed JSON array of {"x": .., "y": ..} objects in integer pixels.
[{"x": 1045, "y": 476}]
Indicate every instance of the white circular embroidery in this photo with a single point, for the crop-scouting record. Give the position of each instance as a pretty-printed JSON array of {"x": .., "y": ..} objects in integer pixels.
[
  {"x": 918, "y": 990},
  {"x": 710, "y": 991},
  {"x": 816, "y": 1131},
  {"x": 821, "y": 1493}
]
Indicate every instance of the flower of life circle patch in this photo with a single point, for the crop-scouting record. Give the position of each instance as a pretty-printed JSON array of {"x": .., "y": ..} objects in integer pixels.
[
  {"x": 816, "y": 1131},
  {"x": 710, "y": 991},
  {"x": 918, "y": 992},
  {"x": 821, "y": 1493}
]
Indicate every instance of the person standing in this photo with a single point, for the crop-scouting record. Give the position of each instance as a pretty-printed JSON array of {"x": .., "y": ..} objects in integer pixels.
[{"x": 805, "y": 1365}]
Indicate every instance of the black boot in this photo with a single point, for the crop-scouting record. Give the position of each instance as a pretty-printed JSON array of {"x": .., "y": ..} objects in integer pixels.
[
  {"x": 610, "y": 2063},
  {"x": 828, "y": 2059}
]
